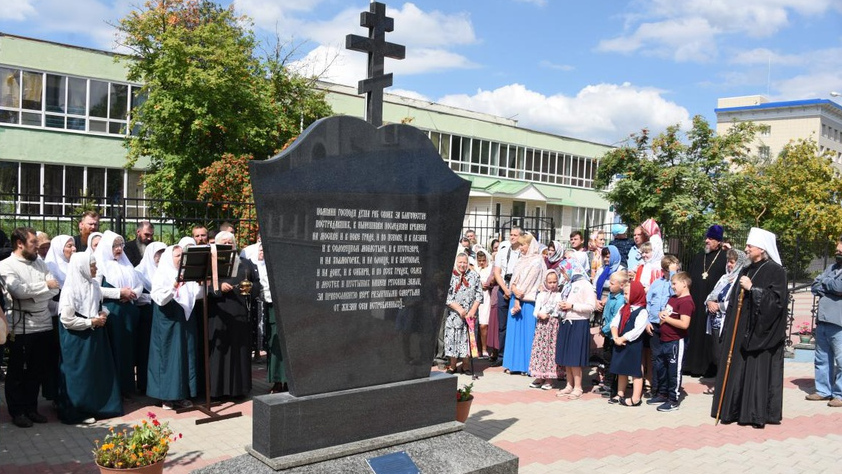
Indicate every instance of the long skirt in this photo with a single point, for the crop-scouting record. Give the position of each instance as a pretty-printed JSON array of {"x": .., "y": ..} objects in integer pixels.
[
  {"x": 172, "y": 371},
  {"x": 275, "y": 359},
  {"x": 492, "y": 340},
  {"x": 121, "y": 326},
  {"x": 520, "y": 332},
  {"x": 455, "y": 336},
  {"x": 88, "y": 386},
  {"x": 542, "y": 363},
  {"x": 141, "y": 350},
  {"x": 573, "y": 344},
  {"x": 626, "y": 360}
]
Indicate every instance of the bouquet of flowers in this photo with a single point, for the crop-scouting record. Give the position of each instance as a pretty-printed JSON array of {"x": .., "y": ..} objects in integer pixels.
[
  {"x": 147, "y": 443},
  {"x": 805, "y": 328}
]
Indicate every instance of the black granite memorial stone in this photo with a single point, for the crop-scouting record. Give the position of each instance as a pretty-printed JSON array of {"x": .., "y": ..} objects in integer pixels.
[{"x": 359, "y": 227}]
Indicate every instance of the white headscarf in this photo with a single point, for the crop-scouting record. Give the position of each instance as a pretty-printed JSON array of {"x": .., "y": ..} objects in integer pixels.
[
  {"x": 162, "y": 285},
  {"x": 55, "y": 259},
  {"x": 765, "y": 240},
  {"x": 119, "y": 273},
  {"x": 185, "y": 241},
  {"x": 91, "y": 240},
  {"x": 146, "y": 268},
  {"x": 81, "y": 291}
]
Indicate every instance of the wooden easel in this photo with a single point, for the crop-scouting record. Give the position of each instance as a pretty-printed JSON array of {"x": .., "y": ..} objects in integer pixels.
[{"x": 204, "y": 265}]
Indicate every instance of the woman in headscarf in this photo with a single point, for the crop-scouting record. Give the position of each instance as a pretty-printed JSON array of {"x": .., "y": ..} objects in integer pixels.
[
  {"x": 485, "y": 268},
  {"x": 542, "y": 364},
  {"x": 555, "y": 255},
  {"x": 720, "y": 297},
  {"x": 610, "y": 264},
  {"x": 89, "y": 387},
  {"x": 57, "y": 260},
  {"x": 58, "y": 257},
  {"x": 93, "y": 241},
  {"x": 578, "y": 300},
  {"x": 526, "y": 281},
  {"x": 463, "y": 300},
  {"x": 145, "y": 271},
  {"x": 229, "y": 327},
  {"x": 627, "y": 358},
  {"x": 173, "y": 366},
  {"x": 115, "y": 271}
]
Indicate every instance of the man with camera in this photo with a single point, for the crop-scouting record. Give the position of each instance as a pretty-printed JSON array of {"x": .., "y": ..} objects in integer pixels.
[{"x": 504, "y": 265}]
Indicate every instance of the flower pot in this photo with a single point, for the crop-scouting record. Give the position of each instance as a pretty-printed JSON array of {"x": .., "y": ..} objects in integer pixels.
[
  {"x": 157, "y": 468},
  {"x": 805, "y": 338},
  {"x": 463, "y": 409}
]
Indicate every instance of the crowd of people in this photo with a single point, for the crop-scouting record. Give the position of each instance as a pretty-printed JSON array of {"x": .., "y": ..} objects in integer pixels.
[
  {"x": 529, "y": 308},
  {"x": 94, "y": 320}
]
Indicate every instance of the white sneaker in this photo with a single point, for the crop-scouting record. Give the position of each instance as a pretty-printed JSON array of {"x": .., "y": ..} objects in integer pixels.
[{"x": 88, "y": 421}]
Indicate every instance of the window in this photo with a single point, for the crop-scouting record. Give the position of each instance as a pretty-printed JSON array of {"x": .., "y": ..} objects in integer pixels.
[
  {"x": 763, "y": 152},
  {"x": 38, "y": 99}
]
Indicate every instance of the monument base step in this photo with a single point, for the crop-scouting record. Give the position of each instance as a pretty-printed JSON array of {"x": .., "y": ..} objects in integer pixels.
[{"x": 457, "y": 452}]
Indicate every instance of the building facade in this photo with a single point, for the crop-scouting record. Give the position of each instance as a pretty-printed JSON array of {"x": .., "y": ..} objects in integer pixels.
[
  {"x": 782, "y": 122},
  {"x": 64, "y": 113}
]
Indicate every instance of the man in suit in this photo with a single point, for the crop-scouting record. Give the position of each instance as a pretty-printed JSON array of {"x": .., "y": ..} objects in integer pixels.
[{"x": 145, "y": 234}]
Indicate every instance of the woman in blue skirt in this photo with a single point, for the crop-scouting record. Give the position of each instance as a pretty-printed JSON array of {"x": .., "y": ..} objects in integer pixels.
[
  {"x": 526, "y": 281},
  {"x": 578, "y": 300}
]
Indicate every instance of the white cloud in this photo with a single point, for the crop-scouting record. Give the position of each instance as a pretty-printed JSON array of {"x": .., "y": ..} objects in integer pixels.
[
  {"x": 18, "y": 10},
  {"x": 808, "y": 86},
  {"x": 604, "y": 113},
  {"x": 558, "y": 67},
  {"x": 689, "y": 30},
  {"x": 539, "y": 3},
  {"x": 767, "y": 56}
]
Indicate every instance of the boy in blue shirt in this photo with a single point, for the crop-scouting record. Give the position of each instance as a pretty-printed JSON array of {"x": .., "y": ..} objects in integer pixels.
[{"x": 656, "y": 299}]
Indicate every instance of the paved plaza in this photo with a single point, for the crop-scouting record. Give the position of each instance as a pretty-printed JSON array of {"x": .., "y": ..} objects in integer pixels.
[{"x": 548, "y": 434}]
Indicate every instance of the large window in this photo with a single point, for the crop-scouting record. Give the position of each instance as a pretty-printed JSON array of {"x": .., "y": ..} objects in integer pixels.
[{"x": 38, "y": 99}]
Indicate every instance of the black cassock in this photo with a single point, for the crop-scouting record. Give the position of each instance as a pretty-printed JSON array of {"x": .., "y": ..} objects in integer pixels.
[
  {"x": 698, "y": 355},
  {"x": 229, "y": 331},
  {"x": 753, "y": 394}
]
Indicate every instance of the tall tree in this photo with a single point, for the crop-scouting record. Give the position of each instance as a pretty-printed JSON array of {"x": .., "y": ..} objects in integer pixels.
[
  {"x": 666, "y": 179},
  {"x": 207, "y": 94}
]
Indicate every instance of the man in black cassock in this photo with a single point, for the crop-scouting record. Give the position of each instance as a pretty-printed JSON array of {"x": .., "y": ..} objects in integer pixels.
[
  {"x": 705, "y": 270},
  {"x": 753, "y": 393}
]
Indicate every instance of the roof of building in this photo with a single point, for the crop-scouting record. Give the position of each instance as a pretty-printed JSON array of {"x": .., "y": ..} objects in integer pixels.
[{"x": 783, "y": 104}]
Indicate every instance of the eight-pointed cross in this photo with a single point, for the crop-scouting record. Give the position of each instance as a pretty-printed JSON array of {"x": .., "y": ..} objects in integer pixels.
[{"x": 377, "y": 48}]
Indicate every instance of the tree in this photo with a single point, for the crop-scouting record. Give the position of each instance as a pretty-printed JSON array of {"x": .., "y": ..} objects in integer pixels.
[
  {"x": 672, "y": 182},
  {"x": 206, "y": 95}
]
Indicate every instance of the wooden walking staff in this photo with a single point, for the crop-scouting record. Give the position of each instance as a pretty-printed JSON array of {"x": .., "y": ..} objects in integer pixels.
[{"x": 730, "y": 353}]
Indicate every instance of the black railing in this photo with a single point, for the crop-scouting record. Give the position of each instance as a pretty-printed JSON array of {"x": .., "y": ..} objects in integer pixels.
[{"x": 490, "y": 226}]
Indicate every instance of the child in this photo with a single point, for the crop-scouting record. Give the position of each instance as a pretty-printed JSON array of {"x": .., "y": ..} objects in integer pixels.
[
  {"x": 650, "y": 269},
  {"x": 542, "y": 364},
  {"x": 626, "y": 331},
  {"x": 616, "y": 300},
  {"x": 574, "y": 337},
  {"x": 656, "y": 299},
  {"x": 675, "y": 319}
]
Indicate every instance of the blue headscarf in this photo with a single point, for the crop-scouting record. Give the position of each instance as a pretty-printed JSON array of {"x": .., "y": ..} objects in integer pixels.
[{"x": 613, "y": 266}]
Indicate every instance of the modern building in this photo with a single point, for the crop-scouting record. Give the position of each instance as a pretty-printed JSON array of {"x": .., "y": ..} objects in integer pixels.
[
  {"x": 782, "y": 122},
  {"x": 64, "y": 112}
]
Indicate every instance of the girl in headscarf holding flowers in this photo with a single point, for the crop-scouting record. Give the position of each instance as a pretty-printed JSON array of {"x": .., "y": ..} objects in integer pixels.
[{"x": 578, "y": 300}]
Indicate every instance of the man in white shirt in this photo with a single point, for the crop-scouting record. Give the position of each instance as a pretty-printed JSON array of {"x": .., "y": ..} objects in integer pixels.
[
  {"x": 507, "y": 256},
  {"x": 28, "y": 287}
]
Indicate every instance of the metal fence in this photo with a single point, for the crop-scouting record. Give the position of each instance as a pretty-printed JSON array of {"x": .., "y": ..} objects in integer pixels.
[
  {"x": 490, "y": 226},
  {"x": 58, "y": 215}
]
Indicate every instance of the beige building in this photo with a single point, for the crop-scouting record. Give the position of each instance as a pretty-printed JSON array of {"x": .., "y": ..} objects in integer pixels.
[{"x": 782, "y": 122}]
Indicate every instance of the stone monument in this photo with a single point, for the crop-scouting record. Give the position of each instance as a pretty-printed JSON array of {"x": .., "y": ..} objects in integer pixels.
[{"x": 359, "y": 226}]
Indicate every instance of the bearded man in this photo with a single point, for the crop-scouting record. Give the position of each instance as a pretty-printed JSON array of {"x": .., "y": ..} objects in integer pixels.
[
  {"x": 705, "y": 270},
  {"x": 28, "y": 288}
]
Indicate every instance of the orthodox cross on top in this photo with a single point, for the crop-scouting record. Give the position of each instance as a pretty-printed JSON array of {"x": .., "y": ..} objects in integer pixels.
[{"x": 377, "y": 48}]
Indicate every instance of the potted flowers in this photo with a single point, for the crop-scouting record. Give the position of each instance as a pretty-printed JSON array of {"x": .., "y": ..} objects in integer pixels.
[
  {"x": 463, "y": 402},
  {"x": 805, "y": 332},
  {"x": 142, "y": 450}
]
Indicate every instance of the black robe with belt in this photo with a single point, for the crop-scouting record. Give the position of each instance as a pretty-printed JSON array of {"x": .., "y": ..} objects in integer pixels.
[
  {"x": 753, "y": 393},
  {"x": 698, "y": 356}
]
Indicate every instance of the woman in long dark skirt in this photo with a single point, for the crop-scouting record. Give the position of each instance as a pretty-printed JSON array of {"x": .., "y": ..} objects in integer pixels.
[
  {"x": 117, "y": 272},
  {"x": 145, "y": 271},
  {"x": 172, "y": 372},
  {"x": 88, "y": 389}
]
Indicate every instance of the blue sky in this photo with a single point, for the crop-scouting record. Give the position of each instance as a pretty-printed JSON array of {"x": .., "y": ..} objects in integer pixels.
[{"x": 595, "y": 70}]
